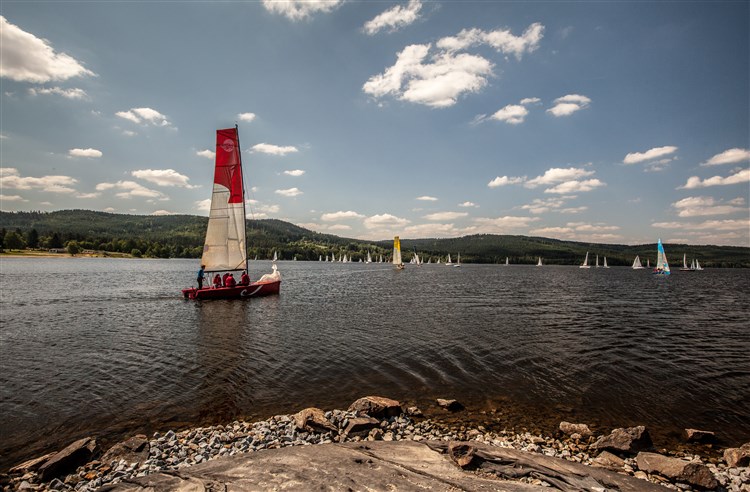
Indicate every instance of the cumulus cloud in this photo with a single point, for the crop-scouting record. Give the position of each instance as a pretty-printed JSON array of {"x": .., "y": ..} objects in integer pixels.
[
  {"x": 246, "y": 117},
  {"x": 741, "y": 176},
  {"x": 437, "y": 80},
  {"x": 714, "y": 225},
  {"x": 88, "y": 195},
  {"x": 530, "y": 100},
  {"x": 144, "y": 116},
  {"x": 291, "y": 192},
  {"x": 208, "y": 154},
  {"x": 265, "y": 148},
  {"x": 27, "y": 58},
  {"x": 203, "y": 205},
  {"x": 11, "y": 178},
  {"x": 501, "y": 225},
  {"x": 540, "y": 206},
  {"x": 131, "y": 189},
  {"x": 394, "y": 18},
  {"x": 294, "y": 172},
  {"x": 649, "y": 155},
  {"x": 73, "y": 93},
  {"x": 384, "y": 220},
  {"x": 695, "y": 206},
  {"x": 513, "y": 114},
  {"x": 426, "y": 198},
  {"x": 163, "y": 177},
  {"x": 334, "y": 216},
  {"x": 575, "y": 186},
  {"x": 162, "y": 212},
  {"x": 445, "y": 215},
  {"x": 297, "y": 10},
  {"x": 504, "y": 180},
  {"x": 581, "y": 231},
  {"x": 731, "y": 156},
  {"x": 468, "y": 205},
  {"x": 432, "y": 230},
  {"x": 92, "y": 153},
  {"x": 558, "y": 175},
  {"x": 12, "y": 198},
  {"x": 567, "y": 105}
]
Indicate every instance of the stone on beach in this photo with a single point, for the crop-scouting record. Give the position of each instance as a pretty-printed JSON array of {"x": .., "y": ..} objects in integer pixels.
[
  {"x": 376, "y": 406},
  {"x": 133, "y": 450},
  {"x": 360, "y": 426},
  {"x": 451, "y": 405},
  {"x": 738, "y": 456},
  {"x": 625, "y": 440},
  {"x": 570, "y": 429},
  {"x": 313, "y": 420},
  {"x": 31, "y": 465},
  {"x": 691, "y": 472},
  {"x": 67, "y": 460},
  {"x": 699, "y": 436},
  {"x": 461, "y": 453},
  {"x": 609, "y": 461}
]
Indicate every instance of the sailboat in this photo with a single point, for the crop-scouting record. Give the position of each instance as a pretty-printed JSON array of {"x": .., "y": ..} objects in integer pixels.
[
  {"x": 458, "y": 262},
  {"x": 225, "y": 246},
  {"x": 685, "y": 267},
  {"x": 506, "y": 261},
  {"x": 698, "y": 266},
  {"x": 397, "y": 253},
  {"x": 648, "y": 263},
  {"x": 369, "y": 258},
  {"x": 585, "y": 262},
  {"x": 662, "y": 266},
  {"x": 597, "y": 261},
  {"x": 539, "y": 263},
  {"x": 275, "y": 257},
  {"x": 637, "y": 263},
  {"x": 605, "y": 263},
  {"x": 449, "y": 262}
]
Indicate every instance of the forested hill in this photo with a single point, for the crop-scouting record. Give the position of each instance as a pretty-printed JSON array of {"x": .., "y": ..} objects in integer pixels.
[{"x": 172, "y": 236}]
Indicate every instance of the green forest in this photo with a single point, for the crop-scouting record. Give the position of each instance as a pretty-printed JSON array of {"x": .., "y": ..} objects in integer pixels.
[{"x": 181, "y": 236}]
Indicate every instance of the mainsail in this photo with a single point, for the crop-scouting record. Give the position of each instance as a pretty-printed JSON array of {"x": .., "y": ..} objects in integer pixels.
[
  {"x": 397, "y": 251},
  {"x": 637, "y": 263},
  {"x": 225, "y": 246},
  {"x": 662, "y": 266}
]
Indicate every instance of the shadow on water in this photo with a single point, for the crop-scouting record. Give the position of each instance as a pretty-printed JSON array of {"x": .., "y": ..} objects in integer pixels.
[{"x": 529, "y": 345}]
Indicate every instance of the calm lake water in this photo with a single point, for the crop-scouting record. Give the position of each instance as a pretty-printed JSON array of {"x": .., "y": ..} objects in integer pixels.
[{"x": 109, "y": 348}]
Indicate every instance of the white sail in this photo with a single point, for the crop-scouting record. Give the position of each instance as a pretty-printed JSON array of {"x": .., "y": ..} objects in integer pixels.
[
  {"x": 539, "y": 263},
  {"x": 369, "y": 258},
  {"x": 275, "y": 256},
  {"x": 597, "y": 261},
  {"x": 605, "y": 262},
  {"x": 458, "y": 261},
  {"x": 449, "y": 262},
  {"x": 585, "y": 261},
  {"x": 698, "y": 265},
  {"x": 506, "y": 261},
  {"x": 637, "y": 263},
  {"x": 225, "y": 246}
]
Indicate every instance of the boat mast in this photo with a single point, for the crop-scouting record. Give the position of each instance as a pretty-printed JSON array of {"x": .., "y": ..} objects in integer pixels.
[{"x": 242, "y": 179}]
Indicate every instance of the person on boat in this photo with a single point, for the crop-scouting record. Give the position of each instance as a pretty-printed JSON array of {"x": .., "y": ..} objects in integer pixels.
[
  {"x": 230, "y": 281},
  {"x": 217, "y": 281},
  {"x": 245, "y": 279},
  {"x": 200, "y": 277},
  {"x": 224, "y": 279}
]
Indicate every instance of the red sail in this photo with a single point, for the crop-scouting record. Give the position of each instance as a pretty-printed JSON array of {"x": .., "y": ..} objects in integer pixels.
[{"x": 228, "y": 171}]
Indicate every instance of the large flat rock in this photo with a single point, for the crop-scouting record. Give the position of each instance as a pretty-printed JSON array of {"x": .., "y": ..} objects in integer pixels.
[{"x": 378, "y": 465}]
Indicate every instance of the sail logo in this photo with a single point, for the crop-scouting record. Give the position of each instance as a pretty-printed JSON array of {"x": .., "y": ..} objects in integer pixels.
[{"x": 228, "y": 145}]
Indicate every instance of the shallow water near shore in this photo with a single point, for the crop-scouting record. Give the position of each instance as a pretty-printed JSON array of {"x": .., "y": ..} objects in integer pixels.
[{"x": 109, "y": 348}]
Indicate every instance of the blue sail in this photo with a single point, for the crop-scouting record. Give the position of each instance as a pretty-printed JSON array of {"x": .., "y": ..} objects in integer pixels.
[{"x": 662, "y": 266}]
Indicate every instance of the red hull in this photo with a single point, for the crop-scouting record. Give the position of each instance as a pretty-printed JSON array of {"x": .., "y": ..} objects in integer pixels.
[{"x": 255, "y": 289}]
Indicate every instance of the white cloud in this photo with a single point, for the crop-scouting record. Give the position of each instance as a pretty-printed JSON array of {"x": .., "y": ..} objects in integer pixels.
[
  {"x": 394, "y": 18},
  {"x": 567, "y": 105},
  {"x": 131, "y": 189},
  {"x": 73, "y": 93},
  {"x": 12, "y": 198},
  {"x": 501, "y": 40},
  {"x": 88, "y": 195},
  {"x": 144, "y": 116},
  {"x": 649, "y": 155},
  {"x": 162, "y": 212},
  {"x": 27, "y": 58},
  {"x": 300, "y": 9},
  {"x": 265, "y": 148},
  {"x": 512, "y": 114},
  {"x": 163, "y": 177},
  {"x": 501, "y": 225},
  {"x": 203, "y": 205},
  {"x": 426, "y": 198},
  {"x": 384, "y": 220},
  {"x": 129, "y": 133},
  {"x": 741, "y": 225},
  {"x": 558, "y": 175},
  {"x": 334, "y": 216},
  {"x": 445, "y": 216},
  {"x": 468, "y": 205},
  {"x": 85, "y": 153},
  {"x": 291, "y": 192},
  {"x": 246, "y": 117},
  {"x": 530, "y": 100},
  {"x": 10, "y": 178},
  {"x": 294, "y": 172},
  {"x": 432, "y": 230},
  {"x": 731, "y": 156},
  {"x": 741, "y": 176},
  {"x": 696, "y": 206},
  {"x": 575, "y": 186},
  {"x": 208, "y": 154},
  {"x": 581, "y": 231},
  {"x": 539, "y": 206},
  {"x": 504, "y": 180},
  {"x": 339, "y": 227},
  {"x": 574, "y": 210}
]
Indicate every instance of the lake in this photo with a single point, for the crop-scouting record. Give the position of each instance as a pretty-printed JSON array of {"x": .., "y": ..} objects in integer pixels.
[{"x": 109, "y": 348}]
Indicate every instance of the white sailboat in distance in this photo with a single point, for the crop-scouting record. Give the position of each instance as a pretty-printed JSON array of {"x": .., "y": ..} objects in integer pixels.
[
  {"x": 585, "y": 262},
  {"x": 637, "y": 264}
]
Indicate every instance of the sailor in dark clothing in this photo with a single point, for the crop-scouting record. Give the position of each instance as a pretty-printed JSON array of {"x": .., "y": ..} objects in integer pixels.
[{"x": 201, "y": 277}]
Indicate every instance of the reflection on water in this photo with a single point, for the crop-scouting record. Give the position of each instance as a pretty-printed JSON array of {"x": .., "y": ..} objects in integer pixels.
[{"x": 109, "y": 347}]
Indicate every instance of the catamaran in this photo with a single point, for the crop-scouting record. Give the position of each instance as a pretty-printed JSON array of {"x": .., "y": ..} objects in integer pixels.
[
  {"x": 397, "y": 253},
  {"x": 225, "y": 247},
  {"x": 585, "y": 262},
  {"x": 637, "y": 264},
  {"x": 662, "y": 266}
]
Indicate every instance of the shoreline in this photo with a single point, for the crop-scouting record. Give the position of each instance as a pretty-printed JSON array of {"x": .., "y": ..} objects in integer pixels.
[{"x": 174, "y": 450}]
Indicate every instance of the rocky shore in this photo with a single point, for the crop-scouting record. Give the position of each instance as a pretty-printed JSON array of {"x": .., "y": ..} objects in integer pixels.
[{"x": 82, "y": 466}]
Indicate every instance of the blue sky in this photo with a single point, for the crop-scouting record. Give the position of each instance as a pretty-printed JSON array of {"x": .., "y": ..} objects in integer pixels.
[{"x": 615, "y": 122}]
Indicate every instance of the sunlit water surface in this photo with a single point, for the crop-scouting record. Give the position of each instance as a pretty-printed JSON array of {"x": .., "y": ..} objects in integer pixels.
[{"x": 109, "y": 347}]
